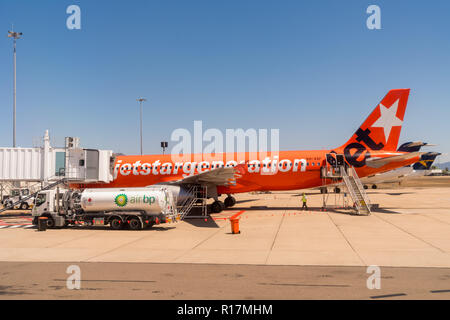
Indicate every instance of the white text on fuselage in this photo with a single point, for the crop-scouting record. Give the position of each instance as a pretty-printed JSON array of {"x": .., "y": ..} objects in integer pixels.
[{"x": 267, "y": 166}]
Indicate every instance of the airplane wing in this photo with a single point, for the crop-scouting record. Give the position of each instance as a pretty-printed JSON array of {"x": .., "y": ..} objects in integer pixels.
[
  {"x": 219, "y": 176},
  {"x": 380, "y": 162}
]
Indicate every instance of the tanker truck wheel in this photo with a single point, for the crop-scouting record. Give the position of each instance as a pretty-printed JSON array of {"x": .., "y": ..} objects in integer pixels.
[
  {"x": 135, "y": 224},
  {"x": 50, "y": 223},
  {"x": 116, "y": 223}
]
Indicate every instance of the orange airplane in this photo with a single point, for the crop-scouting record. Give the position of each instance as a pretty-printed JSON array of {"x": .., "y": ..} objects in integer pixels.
[{"x": 371, "y": 150}]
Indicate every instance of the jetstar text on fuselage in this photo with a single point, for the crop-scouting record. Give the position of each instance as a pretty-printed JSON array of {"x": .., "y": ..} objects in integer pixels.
[{"x": 268, "y": 165}]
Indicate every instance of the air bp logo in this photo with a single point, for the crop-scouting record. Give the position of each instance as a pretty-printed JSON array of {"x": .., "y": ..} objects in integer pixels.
[{"x": 121, "y": 200}]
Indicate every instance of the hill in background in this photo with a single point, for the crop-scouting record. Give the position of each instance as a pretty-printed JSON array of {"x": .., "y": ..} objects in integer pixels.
[{"x": 442, "y": 165}]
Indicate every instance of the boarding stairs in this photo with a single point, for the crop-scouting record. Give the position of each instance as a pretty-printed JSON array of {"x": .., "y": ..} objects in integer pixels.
[
  {"x": 336, "y": 171},
  {"x": 356, "y": 190},
  {"x": 195, "y": 201},
  {"x": 11, "y": 206}
]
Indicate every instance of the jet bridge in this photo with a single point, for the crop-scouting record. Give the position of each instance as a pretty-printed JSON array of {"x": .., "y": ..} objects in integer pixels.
[
  {"x": 47, "y": 164},
  {"x": 51, "y": 167}
]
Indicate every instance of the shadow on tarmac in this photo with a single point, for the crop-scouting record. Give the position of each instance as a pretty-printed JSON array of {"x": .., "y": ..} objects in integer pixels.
[
  {"x": 201, "y": 223},
  {"x": 261, "y": 208},
  {"x": 381, "y": 210},
  {"x": 397, "y": 193},
  {"x": 81, "y": 227},
  {"x": 375, "y": 208}
]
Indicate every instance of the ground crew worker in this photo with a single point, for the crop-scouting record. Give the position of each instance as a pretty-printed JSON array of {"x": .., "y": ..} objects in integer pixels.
[{"x": 304, "y": 207}]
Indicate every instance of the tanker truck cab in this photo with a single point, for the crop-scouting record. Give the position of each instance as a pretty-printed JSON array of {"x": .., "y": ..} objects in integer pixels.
[
  {"x": 42, "y": 202},
  {"x": 134, "y": 208},
  {"x": 45, "y": 206}
]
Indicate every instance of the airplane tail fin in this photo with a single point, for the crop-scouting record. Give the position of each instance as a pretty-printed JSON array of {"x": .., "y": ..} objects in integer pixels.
[
  {"x": 410, "y": 147},
  {"x": 426, "y": 161},
  {"x": 414, "y": 146},
  {"x": 381, "y": 130}
]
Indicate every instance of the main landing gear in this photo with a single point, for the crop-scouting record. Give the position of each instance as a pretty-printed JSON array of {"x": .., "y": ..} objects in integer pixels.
[
  {"x": 230, "y": 201},
  {"x": 218, "y": 206}
]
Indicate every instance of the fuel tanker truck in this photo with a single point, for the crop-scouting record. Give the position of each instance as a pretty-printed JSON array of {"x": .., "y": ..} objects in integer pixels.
[{"x": 133, "y": 208}]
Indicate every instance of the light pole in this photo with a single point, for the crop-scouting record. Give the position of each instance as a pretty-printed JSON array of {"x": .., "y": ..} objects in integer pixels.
[
  {"x": 164, "y": 145},
  {"x": 15, "y": 36},
  {"x": 141, "y": 100}
]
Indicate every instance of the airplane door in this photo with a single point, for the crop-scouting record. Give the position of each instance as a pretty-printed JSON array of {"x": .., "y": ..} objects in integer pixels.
[
  {"x": 331, "y": 159},
  {"x": 340, "y": 159}
]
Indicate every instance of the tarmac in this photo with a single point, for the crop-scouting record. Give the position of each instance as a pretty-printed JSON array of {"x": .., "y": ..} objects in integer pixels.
[
  {"x": 409, "y": 230},
  {"x": 102, "y": 280}
]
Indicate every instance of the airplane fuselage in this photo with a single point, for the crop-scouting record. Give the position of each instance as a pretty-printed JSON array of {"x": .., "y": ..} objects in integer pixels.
[{"x": 286, "y": 170}]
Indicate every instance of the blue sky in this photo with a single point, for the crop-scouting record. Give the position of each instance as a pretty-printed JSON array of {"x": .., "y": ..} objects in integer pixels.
[{"x": 310, "y": 68}]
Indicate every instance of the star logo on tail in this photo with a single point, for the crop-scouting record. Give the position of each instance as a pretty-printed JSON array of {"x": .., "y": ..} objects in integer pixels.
[{"x": 388, "y": 119}]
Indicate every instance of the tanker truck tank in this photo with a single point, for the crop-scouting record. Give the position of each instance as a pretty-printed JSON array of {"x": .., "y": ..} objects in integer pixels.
[
  {"x": 180, "y": 193},
  {"x": 149, "y": 200}
]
